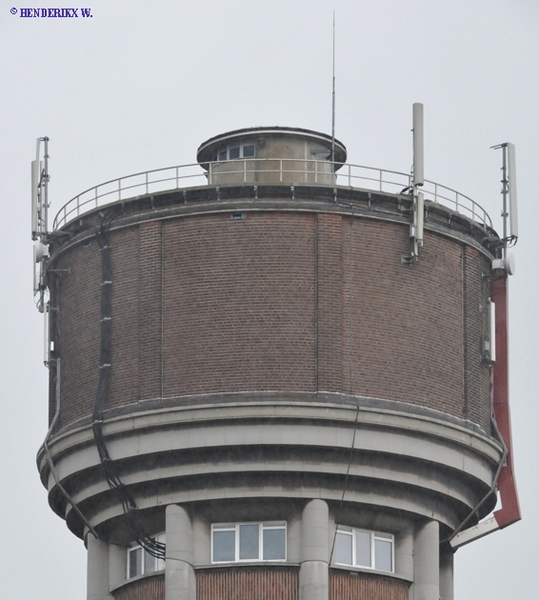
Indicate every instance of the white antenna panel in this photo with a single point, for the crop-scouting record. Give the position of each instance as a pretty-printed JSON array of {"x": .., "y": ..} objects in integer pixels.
[
  {"x": 512, "y": 177},
  {"x": 492, "y": 323},
  {"x": 36, "y": 287},
  {"x": 419, "y": 177},
  {"x": 420, "y": 215}
]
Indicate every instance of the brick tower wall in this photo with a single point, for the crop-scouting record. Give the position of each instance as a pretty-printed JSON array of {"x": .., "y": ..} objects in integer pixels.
[{"x": 276, "y": 301}]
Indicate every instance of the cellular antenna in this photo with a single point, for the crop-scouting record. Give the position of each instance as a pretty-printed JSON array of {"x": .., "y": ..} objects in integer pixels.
[
  {"x": 417, "y": 180},
  {"x": 333, "y": 101},
  {"x": 40, "y": 207},
  {"x": 419, "y": 164},
  {"x": 509, "y": 193}
]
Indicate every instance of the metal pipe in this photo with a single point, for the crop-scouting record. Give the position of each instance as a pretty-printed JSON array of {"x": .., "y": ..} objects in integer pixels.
[
  {"x": 504, "y": 193},
  {"x": 333, "y": 102},
  {"x": 46, "y": 186}
]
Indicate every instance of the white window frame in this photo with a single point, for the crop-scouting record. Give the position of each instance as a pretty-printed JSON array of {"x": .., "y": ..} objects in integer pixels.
[
  {"x": 159, "y": 562},
  {"x": 262, "y": 527},
  {"x": 226, "y": 149},
  {"x": 374, "y": 535}
]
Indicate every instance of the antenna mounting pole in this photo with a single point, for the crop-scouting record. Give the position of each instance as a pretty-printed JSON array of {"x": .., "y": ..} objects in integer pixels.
[
  {"x": 46, "y": 183},
  {"x": 417, "y": 180},
  {"x": 509, "y": 194},
  {"x": 333, "y": 102}
]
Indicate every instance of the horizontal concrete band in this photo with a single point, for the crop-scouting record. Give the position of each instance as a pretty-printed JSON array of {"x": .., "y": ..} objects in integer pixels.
[
  {"x": 283, "y": 448},
  {"x": 311, "y": 199}
]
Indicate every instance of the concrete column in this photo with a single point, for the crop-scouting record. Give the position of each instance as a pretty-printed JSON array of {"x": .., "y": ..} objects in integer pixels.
[
  {"x": 404, "y": 554},
  {"x": 117, "y": 566},
  {"x": 98, "y": 569},
  {"x": 201, "y": 542},
  {"x": 426, "y": 584},
  {"x": 446, "y": 574},
  {"x": 180, "y": 583},
  {"x": 313, "y": 573}
]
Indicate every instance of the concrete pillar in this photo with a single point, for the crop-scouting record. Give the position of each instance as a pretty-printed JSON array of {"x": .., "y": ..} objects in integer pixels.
[
  {"x": 201, "y": 542},
  {"x": 404, "y": 554},
  {"x": 446, "y": 574},
  {"x": 313, "y": 573},
  {"x": 98, "y": 569},
  {"x": 117, "y": 566},
  {"x": 180, "y": 583},
  {"x": 426, "y": 584}
]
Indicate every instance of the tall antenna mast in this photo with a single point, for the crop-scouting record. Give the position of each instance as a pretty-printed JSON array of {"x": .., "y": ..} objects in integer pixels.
[
  {"x": 509, "y": 193},
  {"x": 333, "y": 102},
  {"x": 417, "y": 180},
  {"x": 40, "y": 209}
]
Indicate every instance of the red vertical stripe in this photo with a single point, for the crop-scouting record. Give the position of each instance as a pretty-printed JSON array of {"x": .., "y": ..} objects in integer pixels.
[{"x": 510, "y": 511}]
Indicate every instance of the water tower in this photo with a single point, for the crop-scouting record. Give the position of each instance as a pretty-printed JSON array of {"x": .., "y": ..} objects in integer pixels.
[{"x": 274, "y": 375}]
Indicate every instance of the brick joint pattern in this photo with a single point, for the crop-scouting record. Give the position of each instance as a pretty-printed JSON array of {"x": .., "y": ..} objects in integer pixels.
[{"x": 276, "y": 302}]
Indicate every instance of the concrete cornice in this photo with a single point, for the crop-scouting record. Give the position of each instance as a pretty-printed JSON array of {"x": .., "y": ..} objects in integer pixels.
[
  {"x": 264, "y": 198},
  {"x": 256, "y": 447}
]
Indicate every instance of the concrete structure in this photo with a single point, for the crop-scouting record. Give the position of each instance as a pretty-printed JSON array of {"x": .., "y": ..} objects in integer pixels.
[{"x": 247, "y": 369}]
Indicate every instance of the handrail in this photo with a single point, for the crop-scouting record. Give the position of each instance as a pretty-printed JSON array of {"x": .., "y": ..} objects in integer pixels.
[{"x": 311, "y": 171}]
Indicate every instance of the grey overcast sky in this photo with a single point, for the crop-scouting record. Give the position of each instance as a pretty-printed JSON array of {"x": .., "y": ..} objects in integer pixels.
[{"x": 140, "y": 85}]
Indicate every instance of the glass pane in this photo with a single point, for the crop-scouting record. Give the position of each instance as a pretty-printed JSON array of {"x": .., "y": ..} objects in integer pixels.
[
  {"x": 223, "y": 546},
  {"x": 249, "y": 542},
  {"x": 249, "y": 150},
  {"x": 222, "y": 155},
  {"x": 363, "y": 549},
  {"x": 382, "y": 555},
  {"x": 343, "y": 548},
  {"x": 149, "y": 563},
  {"x": 234, "y": 153},
  {"x": 135, "y": 562},
  {"x": 274, "y": 544}
]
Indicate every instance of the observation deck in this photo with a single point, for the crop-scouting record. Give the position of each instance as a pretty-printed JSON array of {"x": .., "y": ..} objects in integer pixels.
[{"x": 267, "y": 156}]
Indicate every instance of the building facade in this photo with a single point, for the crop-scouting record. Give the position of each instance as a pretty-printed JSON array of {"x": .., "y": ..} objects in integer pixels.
[{"x": 254, "y": 395}]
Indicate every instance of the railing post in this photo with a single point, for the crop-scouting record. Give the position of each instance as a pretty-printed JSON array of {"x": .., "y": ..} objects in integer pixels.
[
  {"x": 177, "y": 177},
  {"x": 119, "y": 189},
  {"x": 210, "y": 174},
  {"x": 349, "y": 175},
  {"x": 244, "y": 171},
  {"x": 280, "y": 169}
]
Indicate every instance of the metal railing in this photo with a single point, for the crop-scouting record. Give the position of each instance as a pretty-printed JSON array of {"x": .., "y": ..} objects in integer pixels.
[{"x": 268, "y": 171}]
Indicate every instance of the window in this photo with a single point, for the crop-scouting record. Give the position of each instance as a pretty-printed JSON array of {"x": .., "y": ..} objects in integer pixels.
[
  {"x": 234, "y": 151},
  {"x": 235, "y": 542},
  {"x": 140, "y": 562},
  {"x": 368, "y": 549}
]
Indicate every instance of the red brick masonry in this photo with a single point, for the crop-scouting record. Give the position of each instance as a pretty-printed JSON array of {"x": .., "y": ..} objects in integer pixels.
[{"x": 276, "y": 301}]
